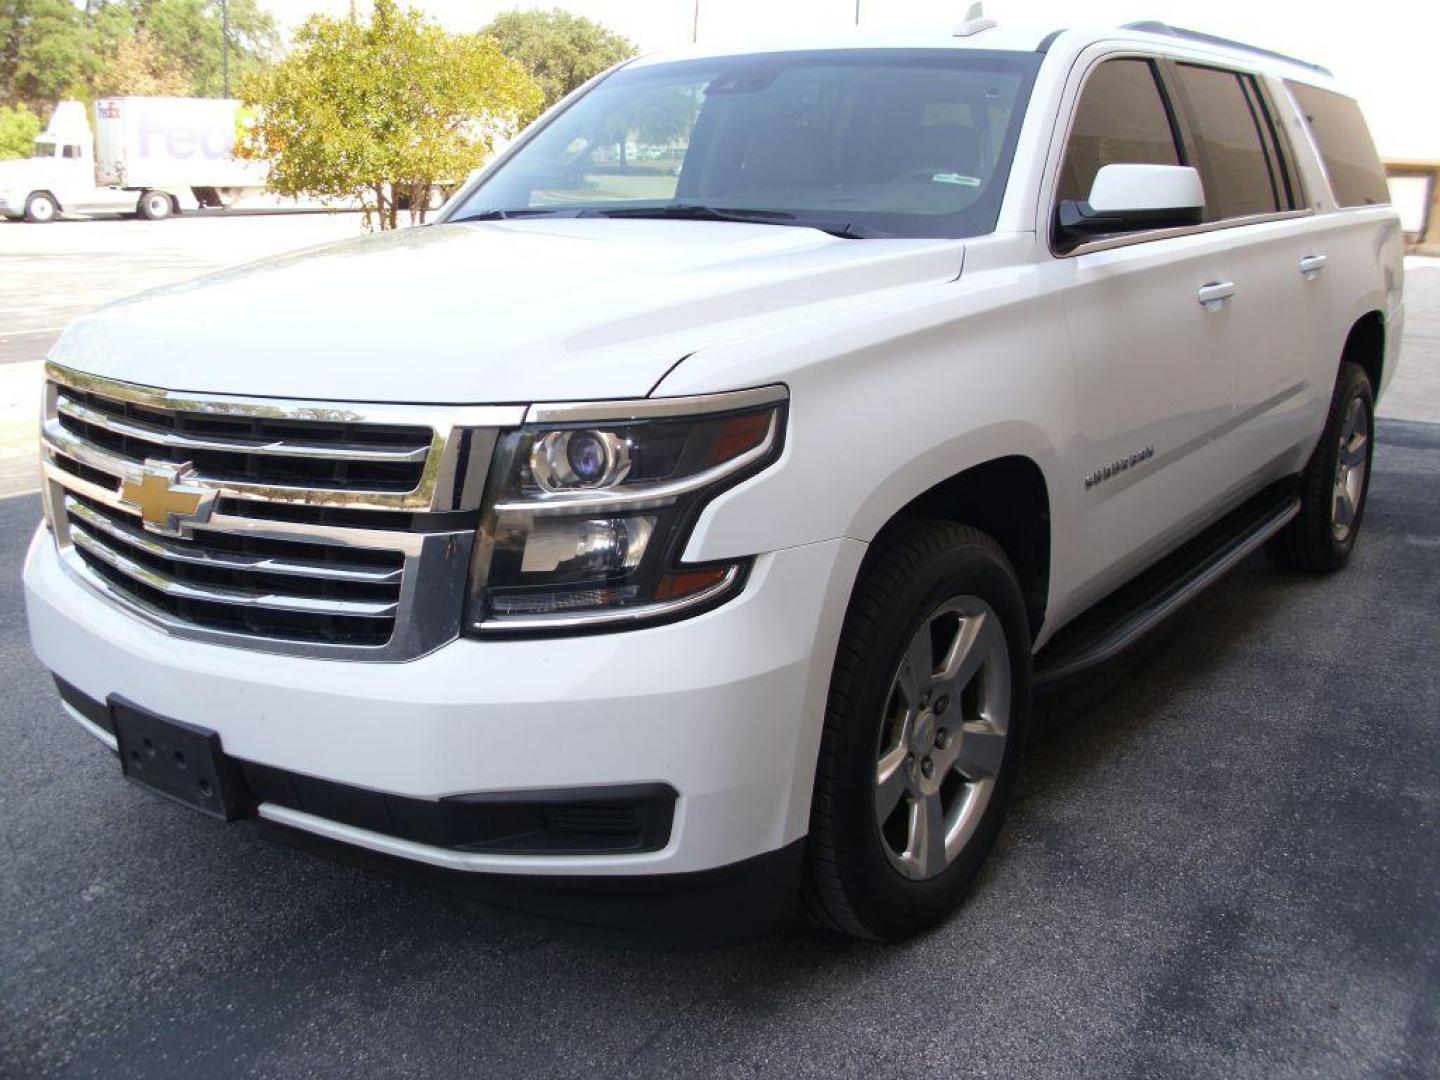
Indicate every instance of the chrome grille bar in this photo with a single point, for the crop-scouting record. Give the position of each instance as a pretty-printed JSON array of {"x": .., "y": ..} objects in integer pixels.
[
  {"x": 280, "y": 448},
  {"x": 273, "y": 601},
  {"x": 189, "y": 553}
]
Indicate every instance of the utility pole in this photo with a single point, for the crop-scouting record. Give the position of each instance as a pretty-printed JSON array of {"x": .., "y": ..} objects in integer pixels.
[
  {"x": 225, "y": 44},
  {"x": 695, "y": 25},
  {"x": 857, "y": 12}
]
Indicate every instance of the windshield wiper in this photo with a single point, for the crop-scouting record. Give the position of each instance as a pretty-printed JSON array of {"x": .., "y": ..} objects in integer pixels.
[
  {"x": 698, "y": 212},
  {"x": 542, "y": 211},
  {"x": 683, "y": 212}
]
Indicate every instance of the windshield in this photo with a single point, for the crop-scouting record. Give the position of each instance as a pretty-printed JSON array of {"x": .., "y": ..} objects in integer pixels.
[
  {"x": 44, "y": 149},
  {"x": 862, "y": 143}
]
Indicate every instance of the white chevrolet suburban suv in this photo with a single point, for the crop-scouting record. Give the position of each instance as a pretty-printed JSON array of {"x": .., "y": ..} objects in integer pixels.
[{"x": 679, "y": 529}]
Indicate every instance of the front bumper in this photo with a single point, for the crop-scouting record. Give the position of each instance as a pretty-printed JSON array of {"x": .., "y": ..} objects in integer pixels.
[{"x": 724, "y": 708}]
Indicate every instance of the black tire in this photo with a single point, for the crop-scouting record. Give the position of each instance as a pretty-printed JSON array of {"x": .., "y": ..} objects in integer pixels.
[
  {"x": 41, "y": 207},
  {"x": 1314, "y": 541},
  {"x": 852, "y": 884},
  {"x": 155, "y": 206}
]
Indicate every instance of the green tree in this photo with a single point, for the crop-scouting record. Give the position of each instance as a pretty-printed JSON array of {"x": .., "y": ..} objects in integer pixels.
[
  {"x": 47, "y": 51},
  {"x": 136, "y": 65},
  {"x": 51, "y": 49},
  {"x": 383, "y": 110},
  {"x": 18, "y": 128},
  {"x": 562, "y": 51},
  {"x": 188, "y": 32}
]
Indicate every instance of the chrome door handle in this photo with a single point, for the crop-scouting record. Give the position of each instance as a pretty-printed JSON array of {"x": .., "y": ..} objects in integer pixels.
[
  {"x": 1213, "y": 296},
  {"x": 1311, "y": 265}
]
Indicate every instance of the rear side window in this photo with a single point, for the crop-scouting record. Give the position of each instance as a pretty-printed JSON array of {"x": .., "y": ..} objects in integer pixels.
[
  {"x": 1242, "y": 176},
  {"x": 1121, "y": 119},
  {"x": 1356, "y": 175}
]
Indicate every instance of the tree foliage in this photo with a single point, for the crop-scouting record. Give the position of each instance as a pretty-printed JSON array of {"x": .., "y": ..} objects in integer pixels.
[
  {"x": 53, "y": 49},
  {"x": 189, "y": 33},
  {"x": 18, "y": 128},
  {"x": 138, "y": 65},
  {"x": 560, "y": 50},
  {"x": 384, "y": 109}
]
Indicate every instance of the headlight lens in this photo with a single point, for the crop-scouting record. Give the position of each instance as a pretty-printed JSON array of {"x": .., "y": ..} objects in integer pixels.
[{"x": 585, "y": 522}]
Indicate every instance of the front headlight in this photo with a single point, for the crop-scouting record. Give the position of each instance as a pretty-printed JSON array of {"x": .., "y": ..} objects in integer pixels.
[{"x": 588, "y": 509}]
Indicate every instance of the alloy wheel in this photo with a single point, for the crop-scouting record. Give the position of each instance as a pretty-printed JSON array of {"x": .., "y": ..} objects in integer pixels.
[
  {"x": 1350, "y": 468},
  {"x": 943, "y": 736}
]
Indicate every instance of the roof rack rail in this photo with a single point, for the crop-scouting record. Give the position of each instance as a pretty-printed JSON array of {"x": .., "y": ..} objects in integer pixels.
[{"x": 1152, "y": 26}]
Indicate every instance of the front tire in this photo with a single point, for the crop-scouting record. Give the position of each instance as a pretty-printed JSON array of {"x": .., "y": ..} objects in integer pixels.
[
  {"x": 41, "y": 208},
  {"x": 923, "y": 732},
  {"x": 1335, "y": 483},
  {"x": 155, "y": 206}
]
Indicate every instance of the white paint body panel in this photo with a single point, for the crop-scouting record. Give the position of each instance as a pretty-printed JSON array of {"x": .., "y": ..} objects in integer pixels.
[{"x": 906, "y": 361}]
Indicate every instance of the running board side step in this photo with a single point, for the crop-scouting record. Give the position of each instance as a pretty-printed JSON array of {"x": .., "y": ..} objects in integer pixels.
[{"x": 1136, "y": 608}]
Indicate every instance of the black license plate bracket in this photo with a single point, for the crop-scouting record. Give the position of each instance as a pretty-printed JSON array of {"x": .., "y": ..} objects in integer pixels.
[{"x": 181, "y": 761}]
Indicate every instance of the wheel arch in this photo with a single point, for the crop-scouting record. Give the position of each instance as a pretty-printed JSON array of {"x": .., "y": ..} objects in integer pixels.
[
  {"x": 1365, "y": 346},
  {"x": 1008, "y": 499}
]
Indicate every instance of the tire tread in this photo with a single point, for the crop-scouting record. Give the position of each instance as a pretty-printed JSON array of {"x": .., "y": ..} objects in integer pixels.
[{"x": 913, "y": 544}]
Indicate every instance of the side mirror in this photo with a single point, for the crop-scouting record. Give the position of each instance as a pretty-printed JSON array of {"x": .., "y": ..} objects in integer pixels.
[{"x": 1131, "y": 198}]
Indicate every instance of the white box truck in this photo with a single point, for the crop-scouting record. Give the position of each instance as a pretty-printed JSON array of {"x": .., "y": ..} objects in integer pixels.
[{"x": 149, "y": 156}]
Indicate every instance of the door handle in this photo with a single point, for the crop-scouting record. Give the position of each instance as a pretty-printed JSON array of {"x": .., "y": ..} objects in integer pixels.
[
  {"x": 1212, "y": 297},
  {"x": 1311, "y": 265}
]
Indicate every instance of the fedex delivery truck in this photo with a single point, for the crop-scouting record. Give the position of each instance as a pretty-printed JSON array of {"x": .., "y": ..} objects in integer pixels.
[{"x": 148, "y": 156}]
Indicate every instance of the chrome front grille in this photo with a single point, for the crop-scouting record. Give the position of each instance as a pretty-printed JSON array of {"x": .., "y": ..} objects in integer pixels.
[{"x": 330, "y": 529}]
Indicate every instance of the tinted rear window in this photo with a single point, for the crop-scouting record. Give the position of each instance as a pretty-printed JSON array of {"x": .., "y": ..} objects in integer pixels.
[
  {"x": 1240, "y": 179},
  {"x": 1356, "y": 175}
]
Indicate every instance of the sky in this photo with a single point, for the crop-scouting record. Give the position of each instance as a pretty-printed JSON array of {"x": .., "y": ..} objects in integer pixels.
[{"x": 1386, "y": 52}]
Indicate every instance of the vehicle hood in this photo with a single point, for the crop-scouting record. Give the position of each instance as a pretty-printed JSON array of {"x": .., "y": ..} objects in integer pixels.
[{"x": 489, "y": 312}]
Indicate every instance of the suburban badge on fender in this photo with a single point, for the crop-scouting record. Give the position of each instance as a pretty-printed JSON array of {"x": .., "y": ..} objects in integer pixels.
[
  {"x": 167, "y": 502},
  {"x": 1115, "y": 468}
]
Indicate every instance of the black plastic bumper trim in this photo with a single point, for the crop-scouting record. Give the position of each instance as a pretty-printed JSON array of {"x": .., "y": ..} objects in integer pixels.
[
  {"x": 701, "y": 909},
  {"x": 617, "y": 819},
  {"x": 97, "y": 713}
]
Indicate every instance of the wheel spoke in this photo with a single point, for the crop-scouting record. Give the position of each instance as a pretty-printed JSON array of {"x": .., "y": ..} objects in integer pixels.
[
  {"x": 890, "y": 781},
  {"x": 1352, "y": 451},
  {"x": 967, "y": 652},
  {"x": 979, "y": 751},
  {"x": 1344, "y": 507},
  {"x": 917, "y": 668},
  {"x": 927, "y": 835}
]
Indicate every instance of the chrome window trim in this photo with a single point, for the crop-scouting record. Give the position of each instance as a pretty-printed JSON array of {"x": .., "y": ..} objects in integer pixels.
[
  {"x": 653, "y": 408},
  {"x": 1126, "y": 239}
]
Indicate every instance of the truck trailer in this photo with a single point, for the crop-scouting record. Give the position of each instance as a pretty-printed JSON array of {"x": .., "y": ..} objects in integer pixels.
[{"x": 152, "y": 156}]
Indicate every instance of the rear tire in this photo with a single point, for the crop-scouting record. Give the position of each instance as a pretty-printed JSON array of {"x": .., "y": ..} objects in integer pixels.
[
  {"x": 41, "y": 208},
  {"x": 923, "y": 732},
  {"x": 1335, "y": 483},
  {"x": 155, "y": 206}
]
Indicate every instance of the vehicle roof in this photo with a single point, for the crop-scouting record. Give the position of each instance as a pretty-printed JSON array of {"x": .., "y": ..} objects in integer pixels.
[{"x": 1058, "y": 41}]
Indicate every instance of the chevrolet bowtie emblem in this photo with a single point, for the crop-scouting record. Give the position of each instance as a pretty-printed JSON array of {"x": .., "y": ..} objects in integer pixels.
[{"x": 167, "y": 502}]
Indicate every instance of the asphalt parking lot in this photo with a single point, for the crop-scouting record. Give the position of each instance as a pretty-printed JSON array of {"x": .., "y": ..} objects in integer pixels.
[{"x": 1223, "y": 862}]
